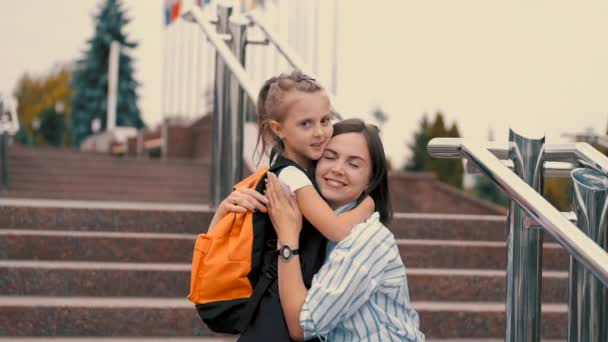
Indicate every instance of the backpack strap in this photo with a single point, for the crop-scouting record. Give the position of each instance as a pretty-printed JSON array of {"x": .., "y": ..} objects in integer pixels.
[{"x": 269, "y": 274}]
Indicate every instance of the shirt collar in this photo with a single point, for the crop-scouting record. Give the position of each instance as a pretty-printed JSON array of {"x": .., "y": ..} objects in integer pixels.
[{"x": 346, "y": 207}]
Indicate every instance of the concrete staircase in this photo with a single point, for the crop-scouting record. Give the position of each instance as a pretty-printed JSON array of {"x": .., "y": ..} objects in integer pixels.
[
  {"x": 115, "y": 269},
  {"x": 73, "y": 175},
  {"x": 95, "y": 247}
]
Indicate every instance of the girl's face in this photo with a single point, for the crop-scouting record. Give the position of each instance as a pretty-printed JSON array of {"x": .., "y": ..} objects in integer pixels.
[
  {"x": 344, "y": 170},
  {"x": 305, "y": 127}
]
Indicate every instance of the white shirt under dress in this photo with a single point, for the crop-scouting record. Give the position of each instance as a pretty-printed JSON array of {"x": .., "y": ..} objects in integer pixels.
[{"x": 361, "y": 293}]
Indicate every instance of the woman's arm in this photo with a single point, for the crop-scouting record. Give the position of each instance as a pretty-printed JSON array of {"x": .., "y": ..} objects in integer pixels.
[
  {"x": 287, "y": 221},
  {"x": 346, "y": 281},
  {"x": 334, "y": 227}
]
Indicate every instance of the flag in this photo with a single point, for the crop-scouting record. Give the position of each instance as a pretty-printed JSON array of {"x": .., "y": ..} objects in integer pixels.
[
  {"x": 172, "y": 10},
  {"x": 202, "y": 3}
]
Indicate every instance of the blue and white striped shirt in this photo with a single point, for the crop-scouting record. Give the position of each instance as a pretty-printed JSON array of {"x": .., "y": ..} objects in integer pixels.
[{"x": 361, "y": 293}]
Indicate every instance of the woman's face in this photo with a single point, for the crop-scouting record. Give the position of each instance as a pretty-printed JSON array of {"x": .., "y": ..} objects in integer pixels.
[{"x": 344, "y": 170}]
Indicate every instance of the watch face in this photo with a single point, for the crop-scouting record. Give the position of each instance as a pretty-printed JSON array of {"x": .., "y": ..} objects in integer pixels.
[{"x": 286, "y": 252}]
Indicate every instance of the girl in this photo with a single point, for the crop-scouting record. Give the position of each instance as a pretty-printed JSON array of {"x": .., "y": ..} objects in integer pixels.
[
  {"x": 294, "y": 118},
  {"x": 360, "y": 293}
]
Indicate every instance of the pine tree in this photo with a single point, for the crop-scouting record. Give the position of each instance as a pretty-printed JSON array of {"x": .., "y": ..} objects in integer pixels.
[
  {"x": 449, "y": 171},
  {"x": 91, "y": 76},
  {"x": 418, "y": 147}
]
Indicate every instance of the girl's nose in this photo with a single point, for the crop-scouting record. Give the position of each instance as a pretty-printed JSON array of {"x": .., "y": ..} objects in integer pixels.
[{"x": 318, "y": 131}]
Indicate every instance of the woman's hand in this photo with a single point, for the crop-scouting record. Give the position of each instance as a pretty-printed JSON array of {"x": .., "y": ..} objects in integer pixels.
[
  {"x": 283, "y": 211},
  {"x": 242, "y": 200}
]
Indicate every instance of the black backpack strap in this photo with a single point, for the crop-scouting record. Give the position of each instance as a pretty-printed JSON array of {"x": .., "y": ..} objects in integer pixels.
[{"x": 269, "y": 274}]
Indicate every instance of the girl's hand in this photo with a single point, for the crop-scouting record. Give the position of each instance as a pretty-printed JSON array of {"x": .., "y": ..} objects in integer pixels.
[
  {"x": 243, "y": 200},
  {"x": 283, "y": 211},
  {"x": 369, "y": 204}
]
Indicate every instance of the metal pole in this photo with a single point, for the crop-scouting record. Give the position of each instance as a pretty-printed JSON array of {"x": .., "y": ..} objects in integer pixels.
[
  {"x": 544, "y": 213},
  {"x": 220, "y": 113},
  {"x": 524, "y": 246},
  {"x": 4, "y": 159},
  {"x": 112, "y": 85},
  {"x": 238, "y": 28},
  {"x": 587, "y": 304}
]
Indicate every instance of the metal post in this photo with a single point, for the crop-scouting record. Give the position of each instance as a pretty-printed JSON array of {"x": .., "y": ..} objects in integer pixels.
[
  {"x": 524, "y": 246},
  {"x": 587, "y": 304},
  {"x": 4, "y": 158},
  {"x": 238, "y": 29},
  {"x": 220, "y": 113},
  {"x": 113, "y": 63}
]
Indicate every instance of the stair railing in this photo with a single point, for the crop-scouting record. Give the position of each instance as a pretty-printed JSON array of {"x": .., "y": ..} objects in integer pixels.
[
  {"x": 231, "y": 85},
  {"x": 530, "y": 215}
]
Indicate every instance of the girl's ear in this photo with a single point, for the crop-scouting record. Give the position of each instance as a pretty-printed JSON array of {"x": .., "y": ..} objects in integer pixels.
[{"x": 275, "y": 126}]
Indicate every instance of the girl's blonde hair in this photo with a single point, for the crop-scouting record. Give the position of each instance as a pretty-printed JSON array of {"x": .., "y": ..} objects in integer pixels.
[{"x": 272, "y": 107}]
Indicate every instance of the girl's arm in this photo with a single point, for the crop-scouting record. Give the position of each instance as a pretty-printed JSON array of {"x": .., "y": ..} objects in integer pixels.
[{"x": 334, "y": 227}]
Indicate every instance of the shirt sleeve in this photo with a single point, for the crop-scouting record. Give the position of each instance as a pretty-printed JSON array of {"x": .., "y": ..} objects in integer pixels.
[
  {"x": 346, "y": 281},
  {"x": 293, "y": 179}
]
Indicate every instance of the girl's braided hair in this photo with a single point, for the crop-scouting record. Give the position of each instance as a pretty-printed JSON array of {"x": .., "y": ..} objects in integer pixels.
[{"x": 272, "y": 107}]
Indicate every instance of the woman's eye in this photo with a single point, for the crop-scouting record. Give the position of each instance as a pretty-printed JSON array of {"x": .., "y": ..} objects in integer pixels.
[
  {"x": 329, "y": 157},
  {"x": 356, "y": 166}
]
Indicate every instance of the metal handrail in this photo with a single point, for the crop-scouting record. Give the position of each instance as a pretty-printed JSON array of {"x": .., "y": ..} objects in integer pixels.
[
  {"x": 579, "y": 152},
  {"x": 290, "y": 56},
  {"x": 250, "y": 87},
  {"x": 588, "y": 253},
  {"x": 557, "y": 155}
]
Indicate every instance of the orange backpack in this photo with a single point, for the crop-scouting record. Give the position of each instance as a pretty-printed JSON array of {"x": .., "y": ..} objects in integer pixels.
[{"x": 221, "y": 263}]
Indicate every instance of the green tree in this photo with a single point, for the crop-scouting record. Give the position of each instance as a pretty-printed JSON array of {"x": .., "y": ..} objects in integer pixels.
[
  {"x": 52, "y": 127},
  {"x": 91, "y": 75},
  {"x": 37, "y": 95},
  {"x": 449, "y": 171},
  {"x": 418, "y": 147},
  {"x": 487, "y": 190}
]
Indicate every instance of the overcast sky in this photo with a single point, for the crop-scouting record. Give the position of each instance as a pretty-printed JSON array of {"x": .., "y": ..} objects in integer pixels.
[{"x": 533, "y": 65}]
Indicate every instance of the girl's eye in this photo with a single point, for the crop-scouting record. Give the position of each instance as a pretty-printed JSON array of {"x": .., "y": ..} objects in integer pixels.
[
  {"x": 326, "y": 121},
  {"x": 306, "y": 124},
  {"x": 329, "y": 157}
]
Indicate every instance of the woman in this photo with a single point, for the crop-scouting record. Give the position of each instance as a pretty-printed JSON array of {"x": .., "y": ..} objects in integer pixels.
[{"x": 360, "y": 293}]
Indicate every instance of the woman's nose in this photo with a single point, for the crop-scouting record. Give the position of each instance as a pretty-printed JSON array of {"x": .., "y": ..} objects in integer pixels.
[{"x": 337, "y": 169}]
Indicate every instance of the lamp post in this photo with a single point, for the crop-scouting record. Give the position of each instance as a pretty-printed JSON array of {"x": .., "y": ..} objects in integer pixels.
[
  {"x": 60, "y": 110},
  {"x": 5, "y": 126}
]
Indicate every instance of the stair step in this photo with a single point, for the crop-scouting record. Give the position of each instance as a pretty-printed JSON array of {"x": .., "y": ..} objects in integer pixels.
[
  {"x": 144, "y": 247},
  {"x": 449, "y": 226},
  {"x": 461, "y": 285},
  {"x": 63, "y": 278},
  {"x": 158, "y": 317},
  {"x": 99, "y": 316},
  {"x": 102, "y": 196},
  {"x": 471, "y": 254},
  {"x": 448, "y": 320},
  {"x": 40, "y": 214},
  {"x": 126, "y": 339}
]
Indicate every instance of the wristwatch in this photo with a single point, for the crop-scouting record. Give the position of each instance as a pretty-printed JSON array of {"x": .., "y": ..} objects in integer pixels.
[{"x": 286, "y": 252}]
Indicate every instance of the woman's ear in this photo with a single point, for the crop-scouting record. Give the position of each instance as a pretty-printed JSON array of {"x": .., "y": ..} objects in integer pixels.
[{"x": 275, "y": 126}]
